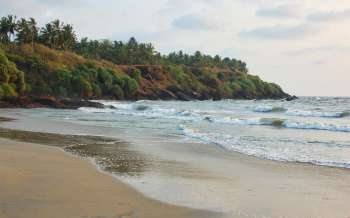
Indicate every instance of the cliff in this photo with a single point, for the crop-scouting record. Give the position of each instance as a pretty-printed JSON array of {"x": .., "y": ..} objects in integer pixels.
[{"x": 36, "y": 71}]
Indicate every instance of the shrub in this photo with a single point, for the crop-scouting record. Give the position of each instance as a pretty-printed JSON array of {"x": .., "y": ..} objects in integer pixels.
[
  {"x": 136, "y": 74},
  {"x": 225, "y": 91},
  {"x": 97, "y": 92},
  {"x": 10, "y": 74},
  {"x": 21, "y": 85},
  {"x": 248, "y": 88},
  {"x": 105, "y": 79},
  {"x": 117, "y": 92},
  {"x": 176, "y": 72},
  {"x": 1, "y": 92},
  {"x": 117, "y": 79},
  {"x": 130, "y": 86},
  {"x": 61, "y": 82},
  {"x": 8, "y": 91},
  {"x": 4, "y": 75},
  {"x": 63, "y": 77},
  {"x": 39, "y": 87},
  {"x": 3, "y": 58},
  {"x": 209, "y": 79},
  {"x": 236, "y": 88},
  {"x": 82, "y": 86},
  {"x": 221, "y": 76}
]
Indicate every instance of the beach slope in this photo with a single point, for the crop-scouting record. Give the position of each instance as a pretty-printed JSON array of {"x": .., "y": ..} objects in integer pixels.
[{"x": 42, "y": 181}]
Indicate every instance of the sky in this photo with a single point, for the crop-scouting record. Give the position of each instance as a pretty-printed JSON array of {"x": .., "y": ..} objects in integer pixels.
[{"x": 302, "y": 45}]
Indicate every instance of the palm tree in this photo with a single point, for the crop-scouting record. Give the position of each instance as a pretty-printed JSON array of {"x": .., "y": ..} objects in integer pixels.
[
  {"x": 11, "y": 25},
  {"x": 57, "y": 35},
  {"x": 68, "y": 37},
  {"x": 7, "y": 28},
  {"x": 47, "y": 35},
  {"x": 3, "y": 30},
  {"x": 22, "y": 31},
  {"x": 27, "y": 31},
  {"x": 33, "y": 29}
]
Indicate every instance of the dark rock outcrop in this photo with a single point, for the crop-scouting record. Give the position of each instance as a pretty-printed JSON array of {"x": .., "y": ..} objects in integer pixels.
[
  {"x": 291, "y": 98},
  {"x": 49, "y": 102}
]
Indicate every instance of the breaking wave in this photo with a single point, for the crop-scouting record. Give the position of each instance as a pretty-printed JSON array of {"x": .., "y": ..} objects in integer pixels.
[
  {"x": 267, "y": 109},
  {"x": 245, "y": 146},
  {"x": 304, "y": 113},
  {"x": 300, "y": 113},
  {"x": 281, "y": 123},
  {"x": 154, "y": 111}
]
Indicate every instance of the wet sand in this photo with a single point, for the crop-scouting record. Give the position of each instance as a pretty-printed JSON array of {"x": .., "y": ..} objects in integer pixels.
[{"x": 42, "y": 181}]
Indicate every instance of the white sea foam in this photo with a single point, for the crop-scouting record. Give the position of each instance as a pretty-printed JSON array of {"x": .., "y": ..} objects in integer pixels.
[
  {"x": 96, "y": 110},
  {"x": 301, "y": 113},
  {"x": 305, "y": 113},
  {"x": 241, "y": 145},
  {"x": 283, "y": 123},
  {"x": 237, "y": 121},
  {"x": 317, "y": 126}
]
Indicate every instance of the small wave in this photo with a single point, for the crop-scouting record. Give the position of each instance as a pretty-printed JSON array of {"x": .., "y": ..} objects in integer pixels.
[
  {"x": 345, "y": 114},
  {"x": 301, "y": 113},
  {"x": 272, "y": 122},
  {"x": 239, "y": 144},
  {"x": 217, "y": 139},
  {"x": 96, "y": 110},
  {"x": 304, "y": 113},
  {"x": 187, "y": 113},
  {"x": 250, "y": 121},
  {"x": 283, "y": 124},
  {"x": 140, "y": 107},
  {"x": 317, "y": 126},
  {"x": 125, "y": 105},
  {"x": 142, "y": 110},
  {"x": 267, "y": 109}
]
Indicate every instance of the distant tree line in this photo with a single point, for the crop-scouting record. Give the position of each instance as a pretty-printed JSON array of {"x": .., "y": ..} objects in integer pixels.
[{"x": 58, "y": 35}]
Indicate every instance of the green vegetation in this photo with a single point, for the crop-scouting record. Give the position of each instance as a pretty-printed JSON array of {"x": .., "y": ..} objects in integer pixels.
[
  {"x": 11, "y": 79},
  {"x": 50, "y": 61}
]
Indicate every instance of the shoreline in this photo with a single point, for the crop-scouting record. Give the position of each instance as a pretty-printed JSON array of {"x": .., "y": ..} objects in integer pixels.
[
  {"x": 26, "y": 102},
  {"x": 69, "y": 186},
  {"x": 252, "y": 187}
]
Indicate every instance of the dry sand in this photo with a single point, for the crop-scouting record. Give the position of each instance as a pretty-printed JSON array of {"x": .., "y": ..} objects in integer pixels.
[{"x": 38, "y": 181}]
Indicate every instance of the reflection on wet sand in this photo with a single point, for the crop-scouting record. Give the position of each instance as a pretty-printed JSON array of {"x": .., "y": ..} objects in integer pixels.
[{"x": 112, "y": 155}]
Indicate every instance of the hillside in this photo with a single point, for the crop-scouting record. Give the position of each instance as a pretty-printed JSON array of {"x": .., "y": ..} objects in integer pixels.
[{"x": 36, "y": 64}]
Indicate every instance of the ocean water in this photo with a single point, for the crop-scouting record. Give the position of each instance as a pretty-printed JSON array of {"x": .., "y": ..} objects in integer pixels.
[
  {"x": 311, "y": 130},
  {"x": 183, "y": 139}
]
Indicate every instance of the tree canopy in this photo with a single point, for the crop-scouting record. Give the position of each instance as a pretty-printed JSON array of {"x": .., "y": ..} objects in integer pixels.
[
  {"x": 49, "y": 60},
  {"x": 59, "y": 35}
]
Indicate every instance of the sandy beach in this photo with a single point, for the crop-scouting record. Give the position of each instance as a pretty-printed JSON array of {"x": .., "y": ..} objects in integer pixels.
[{"x": 42, "y": 181}]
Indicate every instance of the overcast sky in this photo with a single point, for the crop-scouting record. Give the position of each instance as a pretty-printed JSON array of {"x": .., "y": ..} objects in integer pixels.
[{"x": 303, "y": 45}]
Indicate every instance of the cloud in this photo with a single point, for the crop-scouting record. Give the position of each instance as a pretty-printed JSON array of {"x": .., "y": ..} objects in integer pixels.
[
  {"x": 329, "y": 49},
  {"x": 60, "y": 3},
  {"x": 192, "y": 22},
  {"x": 281, "y": 11},
  {"x": 329, "y": 16},
  {"x": 279, "y": 32},
  {"x": 42, "y": 10}
]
